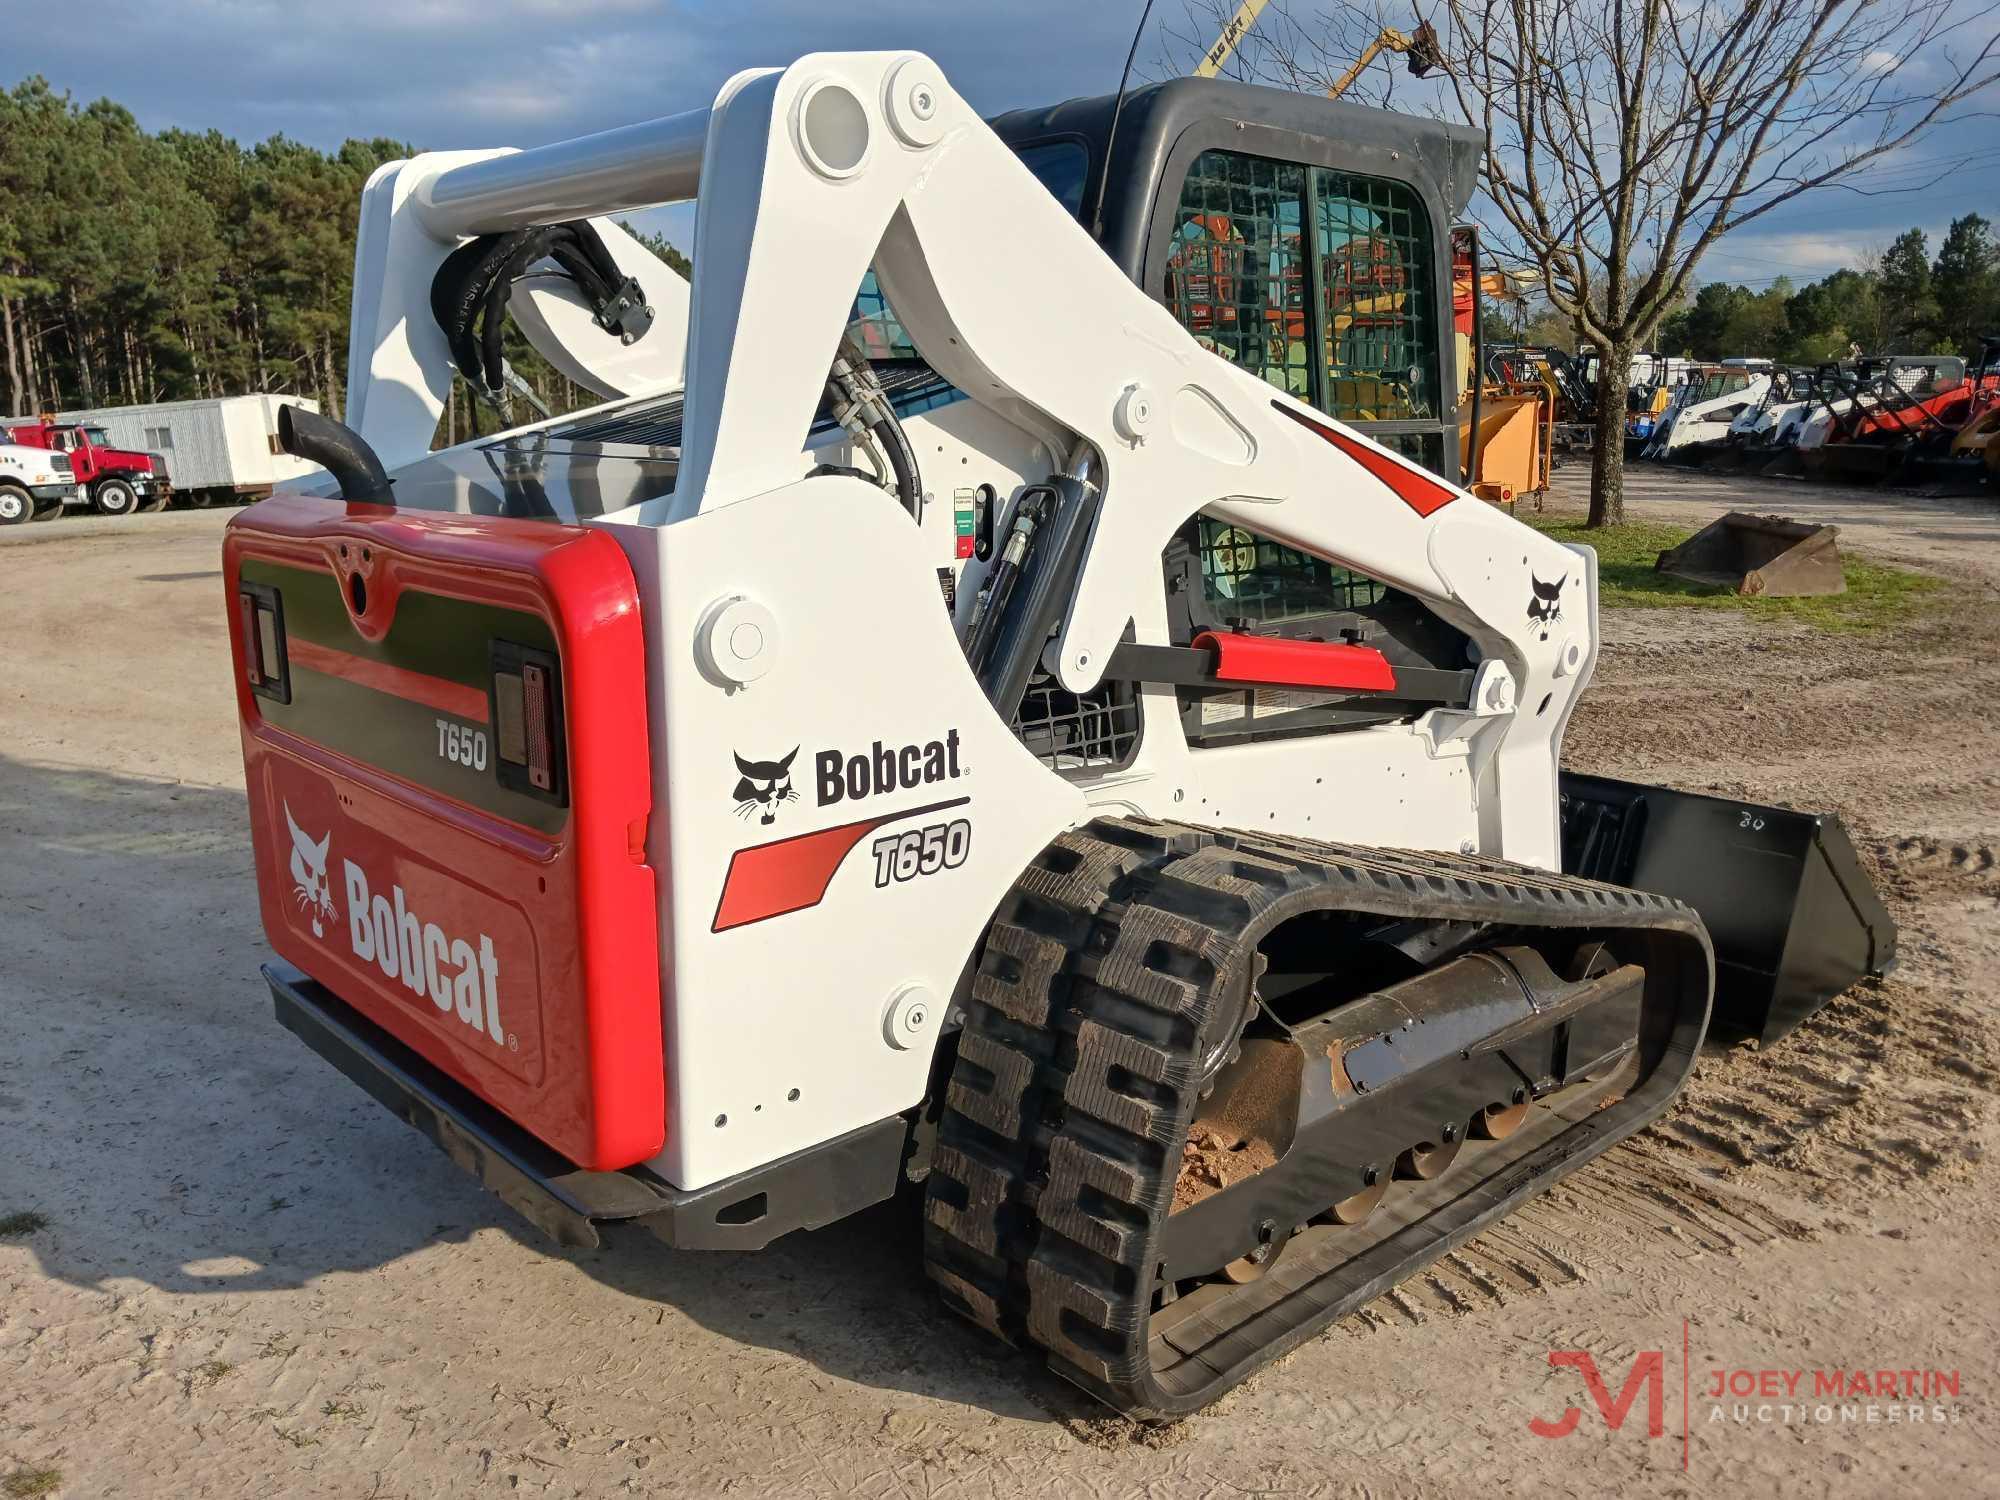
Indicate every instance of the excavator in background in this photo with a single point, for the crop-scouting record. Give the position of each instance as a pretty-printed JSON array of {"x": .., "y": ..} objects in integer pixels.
[
  {"x": 1097, "y": 773},
  {"x": 1420, "y": 48}
]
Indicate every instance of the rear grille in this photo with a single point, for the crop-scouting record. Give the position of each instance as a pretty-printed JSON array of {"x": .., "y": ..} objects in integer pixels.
[{"x": 1095, "y": 732}]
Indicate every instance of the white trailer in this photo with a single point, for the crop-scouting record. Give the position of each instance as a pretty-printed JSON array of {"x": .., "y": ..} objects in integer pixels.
[{"x": 217, "y": 451}]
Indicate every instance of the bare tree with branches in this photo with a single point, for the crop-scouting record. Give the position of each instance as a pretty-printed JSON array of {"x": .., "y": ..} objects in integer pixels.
[{"x": 1625, "y": 137}]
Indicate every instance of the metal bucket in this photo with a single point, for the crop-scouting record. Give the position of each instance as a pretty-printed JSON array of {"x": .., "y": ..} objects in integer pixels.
[
  {"x": 1793, "y": 916},
  {"x": 1768, "y": 557}
]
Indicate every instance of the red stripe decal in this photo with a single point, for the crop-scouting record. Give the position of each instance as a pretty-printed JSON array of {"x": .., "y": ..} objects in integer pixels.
[
  {"x": 1416, "y": 489},
  {"x": 770, "y": 880},
  {"x": 1254, "y": 658},
  {"x": 445, "y": 696}
]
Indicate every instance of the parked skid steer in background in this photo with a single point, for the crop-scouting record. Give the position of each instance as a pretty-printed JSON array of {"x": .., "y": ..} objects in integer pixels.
[{"x": 1057, "y": 741}]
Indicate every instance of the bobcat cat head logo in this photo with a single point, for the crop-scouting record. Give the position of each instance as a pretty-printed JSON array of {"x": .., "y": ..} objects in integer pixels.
[
  {"x": 762, "y": 785},
  {"x": 1545, "y": 605},
  {"x": 309, "y": 884}
]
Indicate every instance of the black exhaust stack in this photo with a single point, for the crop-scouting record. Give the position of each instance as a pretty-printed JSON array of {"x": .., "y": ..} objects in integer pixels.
[{"x": 338, "y": 449}]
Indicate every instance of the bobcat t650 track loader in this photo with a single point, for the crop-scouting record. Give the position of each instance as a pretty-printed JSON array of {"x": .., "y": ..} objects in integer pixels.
[{"x": 1054, "y": 740}]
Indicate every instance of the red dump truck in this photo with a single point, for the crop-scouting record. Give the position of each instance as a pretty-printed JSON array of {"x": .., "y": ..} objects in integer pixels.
[{"x": 115, "y": 481}]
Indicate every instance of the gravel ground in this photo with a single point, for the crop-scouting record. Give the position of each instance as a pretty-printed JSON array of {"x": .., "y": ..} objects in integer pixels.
[{"x": 253, "y": 1281}]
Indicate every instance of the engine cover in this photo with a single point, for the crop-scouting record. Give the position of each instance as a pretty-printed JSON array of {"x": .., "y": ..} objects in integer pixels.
[{"x": 445, "y": 749}]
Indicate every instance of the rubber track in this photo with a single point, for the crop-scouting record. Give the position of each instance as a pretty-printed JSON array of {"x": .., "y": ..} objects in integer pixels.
[{"x": 1060, "y": 1141}]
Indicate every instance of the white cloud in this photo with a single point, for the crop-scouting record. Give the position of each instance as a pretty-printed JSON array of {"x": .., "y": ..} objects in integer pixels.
[{"x": 1803, "y": 255}]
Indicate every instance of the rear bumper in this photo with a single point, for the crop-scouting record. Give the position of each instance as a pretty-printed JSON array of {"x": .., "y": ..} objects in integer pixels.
[{"x": 803, "y": 1191}]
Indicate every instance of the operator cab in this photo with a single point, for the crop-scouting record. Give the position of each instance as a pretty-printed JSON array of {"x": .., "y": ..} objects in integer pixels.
[{"x": 1310, "y": 242}]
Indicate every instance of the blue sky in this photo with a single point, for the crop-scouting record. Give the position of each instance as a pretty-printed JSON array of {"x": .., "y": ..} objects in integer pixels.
[{"x": 465, "y": 73}]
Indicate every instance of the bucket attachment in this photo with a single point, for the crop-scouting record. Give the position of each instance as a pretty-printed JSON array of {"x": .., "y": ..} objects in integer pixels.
[
  {"x": 1794, "y": 918},
  {"x": 1759, "y": 556}
]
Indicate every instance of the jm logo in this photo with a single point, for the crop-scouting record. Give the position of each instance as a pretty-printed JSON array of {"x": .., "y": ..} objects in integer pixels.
[{"x": 1648, "y": 1373}]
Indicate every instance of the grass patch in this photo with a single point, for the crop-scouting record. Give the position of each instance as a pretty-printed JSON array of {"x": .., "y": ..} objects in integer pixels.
[
  {"x": 206, "y": 1374},
  {"x": 22, "y": 1484},
  {"x": 13, "y": 1226},
  {"x": 1877, "y": 594}
]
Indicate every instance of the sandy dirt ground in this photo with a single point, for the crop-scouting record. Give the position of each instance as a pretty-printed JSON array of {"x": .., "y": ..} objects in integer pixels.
[{"x": 253, "y": 1281}]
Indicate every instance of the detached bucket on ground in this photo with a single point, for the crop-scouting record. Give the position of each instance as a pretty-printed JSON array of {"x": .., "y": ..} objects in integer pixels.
[{"x": 1767, "y": 557}]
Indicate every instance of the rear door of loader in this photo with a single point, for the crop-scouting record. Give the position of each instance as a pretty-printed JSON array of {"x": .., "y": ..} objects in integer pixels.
[{"x": 445, "y": 748}]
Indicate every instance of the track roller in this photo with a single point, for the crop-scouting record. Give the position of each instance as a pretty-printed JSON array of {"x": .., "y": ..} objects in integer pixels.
[{"x": 1498, "y": 1121}]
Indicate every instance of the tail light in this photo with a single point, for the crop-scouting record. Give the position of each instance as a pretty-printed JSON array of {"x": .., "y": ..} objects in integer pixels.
[
  {"x": 527, "y": 722},
  {"x": 265, "y": 666}
]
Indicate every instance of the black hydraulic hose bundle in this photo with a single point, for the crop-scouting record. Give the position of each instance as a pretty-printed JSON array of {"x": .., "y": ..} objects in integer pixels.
[
  {"x": 862, "y": 407},
  {"x": 469, "y": 293}
]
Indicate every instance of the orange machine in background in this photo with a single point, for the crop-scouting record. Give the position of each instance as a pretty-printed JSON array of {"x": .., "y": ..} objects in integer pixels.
[{"x": 1507, "y": 407}]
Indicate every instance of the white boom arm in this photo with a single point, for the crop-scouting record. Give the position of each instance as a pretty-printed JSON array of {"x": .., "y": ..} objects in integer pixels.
[{"x": 414, "y": 213}]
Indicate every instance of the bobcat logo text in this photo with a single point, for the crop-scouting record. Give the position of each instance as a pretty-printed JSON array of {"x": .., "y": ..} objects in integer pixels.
[{"x": 458, "y": 974}]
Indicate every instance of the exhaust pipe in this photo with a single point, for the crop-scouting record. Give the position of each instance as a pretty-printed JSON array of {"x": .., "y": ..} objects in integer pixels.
[{"x": 337, "y": 448}]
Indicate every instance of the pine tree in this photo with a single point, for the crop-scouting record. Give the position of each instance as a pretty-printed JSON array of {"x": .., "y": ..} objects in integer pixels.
[
  {"x": 1904, "y": 280},
  {"x": 1966, "y": 281}
]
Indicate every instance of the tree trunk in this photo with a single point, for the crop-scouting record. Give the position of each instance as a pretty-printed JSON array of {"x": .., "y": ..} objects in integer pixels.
[
  {"x": 30, "y": 365},
  {"x": 1607, "y": 454},
  {"x": 17, "y": 395},
  {"x": 257, "y": 343},
  {"x": 79, "y": 342}
]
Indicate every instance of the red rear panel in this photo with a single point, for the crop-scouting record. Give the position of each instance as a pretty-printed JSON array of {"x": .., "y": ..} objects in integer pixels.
[{"x": 444, "y": 739}]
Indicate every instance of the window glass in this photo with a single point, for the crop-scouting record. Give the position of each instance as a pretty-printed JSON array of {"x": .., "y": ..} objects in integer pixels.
[
  {"x": 1235, "y": 274},
  {"x": 875, "y": 326},
  {"x": 1380, "y": 338},
  {"x": 1061, "y": 167},
  {"x": 1250, "y": 577},
  {"x": 1239, "y": 280}
]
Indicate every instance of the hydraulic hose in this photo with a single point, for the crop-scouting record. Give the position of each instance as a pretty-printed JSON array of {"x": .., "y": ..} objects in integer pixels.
[
  {"x": 862, "y": 408},
  {"x": 470, "y": 291},
  {"x": 337, "y": 448}
]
